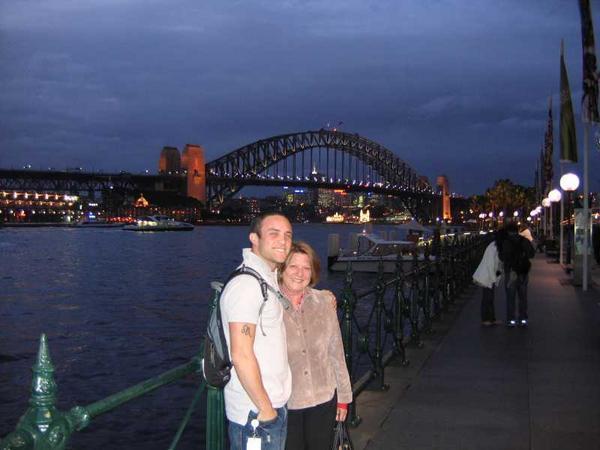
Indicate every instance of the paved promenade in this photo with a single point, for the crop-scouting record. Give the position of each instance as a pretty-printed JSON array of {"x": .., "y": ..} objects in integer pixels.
[{"x": 497, "y": 388}]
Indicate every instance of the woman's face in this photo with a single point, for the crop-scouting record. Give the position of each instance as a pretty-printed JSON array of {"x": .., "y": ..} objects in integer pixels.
[{"x": 296, "y": 275}]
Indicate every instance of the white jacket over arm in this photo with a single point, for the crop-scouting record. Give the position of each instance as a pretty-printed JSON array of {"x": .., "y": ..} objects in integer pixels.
[{"x": 485, "y": 275}]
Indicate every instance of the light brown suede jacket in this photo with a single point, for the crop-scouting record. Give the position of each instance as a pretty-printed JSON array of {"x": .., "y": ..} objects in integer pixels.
[{"x": 316, "y": 353}]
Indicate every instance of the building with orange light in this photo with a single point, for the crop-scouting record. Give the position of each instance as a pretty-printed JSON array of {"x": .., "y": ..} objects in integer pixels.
[
  {"x": 170, "y": 161},
  {"x": 192, "y": 163},
  {"x": 444, "y": 190}
]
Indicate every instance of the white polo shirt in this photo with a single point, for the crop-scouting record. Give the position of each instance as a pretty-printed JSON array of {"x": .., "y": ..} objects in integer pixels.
[{"x": 240, "y": 302}]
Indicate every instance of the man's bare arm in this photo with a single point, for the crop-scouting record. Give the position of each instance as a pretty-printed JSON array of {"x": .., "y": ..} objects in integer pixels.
[{"x": 246, "y": 366}]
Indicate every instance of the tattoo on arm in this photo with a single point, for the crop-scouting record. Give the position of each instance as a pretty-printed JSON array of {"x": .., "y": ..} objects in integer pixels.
[{"x": 246, "y": 330}]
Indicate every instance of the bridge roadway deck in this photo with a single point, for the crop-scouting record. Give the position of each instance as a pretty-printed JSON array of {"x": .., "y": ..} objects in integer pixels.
[{"x": 473, "y": 387}]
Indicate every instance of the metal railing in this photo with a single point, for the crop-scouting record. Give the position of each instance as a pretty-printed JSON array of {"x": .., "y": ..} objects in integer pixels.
[
  {"x": 377, "y": 323},
  {"x": 403, "y": 307}
]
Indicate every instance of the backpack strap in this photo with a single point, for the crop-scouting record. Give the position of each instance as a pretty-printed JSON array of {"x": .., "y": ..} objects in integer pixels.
[{"x": 264, "y": 287}]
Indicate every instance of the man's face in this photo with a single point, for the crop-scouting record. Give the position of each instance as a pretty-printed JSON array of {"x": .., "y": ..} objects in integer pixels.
[{"x": 274, "y": 241}]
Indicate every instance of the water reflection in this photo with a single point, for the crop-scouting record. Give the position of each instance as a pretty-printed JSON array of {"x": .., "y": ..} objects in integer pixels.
[{"x": 117, "y": 308}]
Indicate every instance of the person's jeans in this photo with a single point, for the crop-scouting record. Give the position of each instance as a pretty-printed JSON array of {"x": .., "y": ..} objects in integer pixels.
[
  {"x": 272, "y": 433},
  {"x": 516, "y": 285}
]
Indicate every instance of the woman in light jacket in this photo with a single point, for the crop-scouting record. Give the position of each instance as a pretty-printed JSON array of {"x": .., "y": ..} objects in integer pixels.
[
  {"x": 321, "y": 388},
  {"x": 488, "y": 276}
]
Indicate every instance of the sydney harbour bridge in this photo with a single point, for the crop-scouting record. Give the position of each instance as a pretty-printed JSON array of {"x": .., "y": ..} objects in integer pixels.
[{"x": 326, "y": 159}]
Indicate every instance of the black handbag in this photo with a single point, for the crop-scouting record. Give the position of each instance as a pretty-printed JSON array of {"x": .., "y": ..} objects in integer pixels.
[{"x": 341, "y": 438}]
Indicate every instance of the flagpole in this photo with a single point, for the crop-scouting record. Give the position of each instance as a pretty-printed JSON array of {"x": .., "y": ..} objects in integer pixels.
[{"x": 586, "y": 189}]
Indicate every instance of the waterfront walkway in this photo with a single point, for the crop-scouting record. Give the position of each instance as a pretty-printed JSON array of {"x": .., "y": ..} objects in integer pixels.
[{"x": 480, "y": 388}]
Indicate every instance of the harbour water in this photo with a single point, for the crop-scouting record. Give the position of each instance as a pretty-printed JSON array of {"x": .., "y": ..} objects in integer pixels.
[{"x": 117, "y": 308}]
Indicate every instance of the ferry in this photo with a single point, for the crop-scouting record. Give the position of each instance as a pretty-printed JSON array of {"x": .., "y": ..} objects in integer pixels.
[{"x": 158, "y": 223}]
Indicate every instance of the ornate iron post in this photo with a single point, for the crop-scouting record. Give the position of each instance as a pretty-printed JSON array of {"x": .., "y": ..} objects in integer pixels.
[
  {"x": 43, "y": 426},
  {"x": 348, "y": 305},
  {"x": 378, "y": 381},
  {"x": 427, "y": 290},
  {"x": 415, "y": 337},
  {"x": 399, "y": 311}
]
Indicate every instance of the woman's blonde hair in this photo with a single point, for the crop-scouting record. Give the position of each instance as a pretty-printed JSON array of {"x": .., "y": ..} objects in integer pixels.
[{"x": 315, "y": 263}]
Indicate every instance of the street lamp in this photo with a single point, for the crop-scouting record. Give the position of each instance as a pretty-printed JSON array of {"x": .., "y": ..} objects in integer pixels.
[
  {"x": 569, "y": 182},
  {"x": 554, "y": 196},
  {"x": 546, "y": 204}
]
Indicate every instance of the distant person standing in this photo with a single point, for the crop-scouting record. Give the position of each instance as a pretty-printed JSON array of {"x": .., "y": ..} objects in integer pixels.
[
  {"x": 488, "y": 276},
  {"x": 515, "y": 254}
]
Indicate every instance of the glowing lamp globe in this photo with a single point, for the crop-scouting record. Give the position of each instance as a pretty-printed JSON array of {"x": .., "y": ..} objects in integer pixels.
[
  {"x": 569, "y": 182},
  {"x": 554, "y": 195},
  {"x": 546, "y": 202}
]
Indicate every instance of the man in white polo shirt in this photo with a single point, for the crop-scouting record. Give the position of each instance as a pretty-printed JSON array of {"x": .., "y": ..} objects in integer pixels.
[{"x": 261, "y": 380}]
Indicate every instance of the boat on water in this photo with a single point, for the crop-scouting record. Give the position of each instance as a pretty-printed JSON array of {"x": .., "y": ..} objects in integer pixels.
[
  {"x": 158, "y": 223},
  {"x": 366, "y": 251},
  {"x": 91, "y": 223}
]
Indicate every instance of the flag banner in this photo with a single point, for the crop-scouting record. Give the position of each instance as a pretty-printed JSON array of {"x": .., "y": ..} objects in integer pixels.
[
  {"x": 568, "y": 136},
  {"x": 548, "y": 151},
  {"x": 589, "y": 112}
]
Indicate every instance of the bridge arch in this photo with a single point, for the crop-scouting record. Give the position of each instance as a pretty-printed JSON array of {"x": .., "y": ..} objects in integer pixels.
[{"x": 242, "y": 167}]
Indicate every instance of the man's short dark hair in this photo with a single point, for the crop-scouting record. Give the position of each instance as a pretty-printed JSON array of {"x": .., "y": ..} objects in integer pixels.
[{"x": 256, "y": 223}]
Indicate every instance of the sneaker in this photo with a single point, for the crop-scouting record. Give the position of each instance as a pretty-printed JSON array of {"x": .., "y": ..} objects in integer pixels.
[
  {"x": 523, "y": 322},
  {"x": 511, "y": 323}
]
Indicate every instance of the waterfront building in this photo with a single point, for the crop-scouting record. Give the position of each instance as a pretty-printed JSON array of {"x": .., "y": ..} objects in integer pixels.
[{"x": 40, "y": 207}]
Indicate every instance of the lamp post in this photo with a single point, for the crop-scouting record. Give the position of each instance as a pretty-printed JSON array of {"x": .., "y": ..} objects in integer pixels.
[
  {"x": 554, "y": 196},
  {"x": 569, "y": 182},
  {"x": 546, "y": 204}
]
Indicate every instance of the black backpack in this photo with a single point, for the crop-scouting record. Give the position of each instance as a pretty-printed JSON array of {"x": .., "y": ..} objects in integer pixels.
[{"x": 216, "y": 362}]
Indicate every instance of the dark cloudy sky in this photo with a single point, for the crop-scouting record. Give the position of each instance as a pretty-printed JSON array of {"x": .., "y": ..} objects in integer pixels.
[{"x": 458, "y": 87}]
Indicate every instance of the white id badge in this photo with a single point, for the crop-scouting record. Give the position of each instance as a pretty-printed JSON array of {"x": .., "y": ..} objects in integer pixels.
[{"x": 253, "y": 443}]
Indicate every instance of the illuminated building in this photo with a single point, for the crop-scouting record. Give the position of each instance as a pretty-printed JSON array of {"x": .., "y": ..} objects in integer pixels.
[
  {"x": 141, "y": 202},
  {"x": 444, "y": 190},
  {"x": 170, "y": 161},
  {"x": 36, "y": 207},
  {"x": 193, "y": 164},
  {"x": 296, "y": 196}
]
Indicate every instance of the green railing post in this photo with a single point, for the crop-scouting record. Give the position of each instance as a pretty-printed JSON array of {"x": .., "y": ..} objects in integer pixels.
[
  {"x": 378, "y": 382},
  {"x": 43, "y": 426},
  {"x": 215, "y": 402},
  {"x": 399, "y": 309},
  {"x": 348, "y": 304},
  {"x": 427, "y": 290},
  {"x": 215, "y": 419},
  {"x": 415, "y": 337}
]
